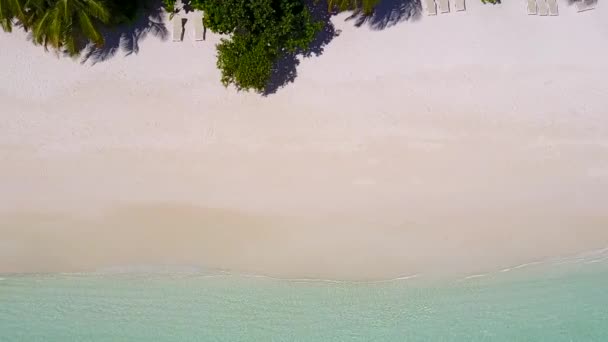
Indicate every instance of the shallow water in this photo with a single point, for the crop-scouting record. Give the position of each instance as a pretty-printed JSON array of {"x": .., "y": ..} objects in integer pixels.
[{"x": 556, "y": 300}]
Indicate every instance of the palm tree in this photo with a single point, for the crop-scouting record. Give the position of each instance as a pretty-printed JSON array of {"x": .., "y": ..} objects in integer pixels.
[
  {"x": 66, "y": 24},
  {"x": 10, "y": 9},
  {"x": 366, "y": 6}
]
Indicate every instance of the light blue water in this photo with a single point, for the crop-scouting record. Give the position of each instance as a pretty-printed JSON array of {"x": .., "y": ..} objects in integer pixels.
[{"x": 559, "y": 300}]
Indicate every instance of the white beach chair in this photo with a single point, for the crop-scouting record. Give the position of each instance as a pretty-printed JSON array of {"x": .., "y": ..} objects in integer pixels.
[
  {"x": 590, "y": 4},
  {"x": 532, "y": 7},
  {"x": 552, "y": 7},
  {"x": 430, "y": 7},
  {"x": 459, "y": 5},
  {"x": 580, "y": 6},
  {"x": 178, "y": 28},
  {"x": 199, "y": 29},
  {"x": 543, "y": 8},
  {"x": 444, "y": 6},
  {"x": 583, "y": 5}
]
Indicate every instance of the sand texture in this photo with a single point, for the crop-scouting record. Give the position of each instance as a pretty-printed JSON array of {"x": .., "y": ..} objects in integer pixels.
[{"x": 450, "y": 144}]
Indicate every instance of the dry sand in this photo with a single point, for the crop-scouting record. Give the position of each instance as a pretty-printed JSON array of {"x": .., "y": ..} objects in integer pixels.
[{"x": 452, "y": 144}]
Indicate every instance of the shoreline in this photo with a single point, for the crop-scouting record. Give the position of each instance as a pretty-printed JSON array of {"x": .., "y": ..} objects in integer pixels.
[{"x": 576, "y": 260}]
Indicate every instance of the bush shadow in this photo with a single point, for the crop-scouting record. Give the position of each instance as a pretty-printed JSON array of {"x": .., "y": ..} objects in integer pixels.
[
  {"x": 388, "y": 13},
  {"x": 126, "y": 37},
  {"x": 285, "y": 69}
]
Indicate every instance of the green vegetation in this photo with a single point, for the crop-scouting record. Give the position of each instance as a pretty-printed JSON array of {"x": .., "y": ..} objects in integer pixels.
[
  {"x": 366, "y": 6},
  {"x": 169, "y": 5},
  {"x": 67, "y": 25},
  {"x": 10, "y": 10},
  {"x": 124, "y": 11},
  {"x": 261, "y": 32}
]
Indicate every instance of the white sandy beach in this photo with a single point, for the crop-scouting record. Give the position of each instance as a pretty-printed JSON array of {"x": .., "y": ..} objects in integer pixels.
[{"x": 460, "y": 143}]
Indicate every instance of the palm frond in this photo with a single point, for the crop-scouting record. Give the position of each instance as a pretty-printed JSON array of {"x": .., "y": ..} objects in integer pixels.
[
  {"x": 97, "y": 9},
  {"x": 66, "y": 24},
  {"x": 9, "y": 10},
  {"x": 88, "y": 29}
]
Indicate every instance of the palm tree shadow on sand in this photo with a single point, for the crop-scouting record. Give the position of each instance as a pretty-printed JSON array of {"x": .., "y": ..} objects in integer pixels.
[
  {"x": 285, "y": 69},
  {"x": 126, "y": 37},
  {"x": 388, "y": 13}
]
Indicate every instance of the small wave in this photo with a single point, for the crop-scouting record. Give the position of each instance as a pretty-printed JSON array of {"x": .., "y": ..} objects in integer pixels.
[
  {"x": 321, "y": 280},
  {"x": 582, "y": 257},
  {"x": 568, "y": 261},
  {"x": 473, "y": 276},
  {"x": 527, "y": 264},
  {"x": 405, "y": 277},
  {"x": 147, "y": 269},
  {"x": 402, "y": 278},
  {"x": 593, "y": 261}
]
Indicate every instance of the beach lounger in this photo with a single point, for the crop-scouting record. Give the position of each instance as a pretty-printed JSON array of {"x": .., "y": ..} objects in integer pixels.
[
  {"x": 532, "y": 7},
  {"x": 583, "y": 5},
  {"x": 552, "y": 7},
  {"x": 444, "y": 6},
  {"x": 459, "y": 5},
  {"x": 543, "y": 8},
  {"x": 580, "y": 6},
  {"x": 178, "y": 28},
  {"x": 431, "y": 8},
  {"x": 199, "y": 29},
  {"x": 590, "y": 4}
]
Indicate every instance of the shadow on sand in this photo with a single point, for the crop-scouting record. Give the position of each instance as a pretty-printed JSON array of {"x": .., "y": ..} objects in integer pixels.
[
  {"x": 285, "y": 70},
  {"x": 388, "y": 13},
  {"x": 150, "y": 21},
  {"x": 126, "y": 37}
]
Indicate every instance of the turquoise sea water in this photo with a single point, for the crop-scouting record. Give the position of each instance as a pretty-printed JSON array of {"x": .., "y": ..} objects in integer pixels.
[{"x": 558, "y": 300}]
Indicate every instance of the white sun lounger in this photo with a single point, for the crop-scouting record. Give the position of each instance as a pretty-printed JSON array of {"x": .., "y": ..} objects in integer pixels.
[
  {"x": 580, "y": 6},
  {"x": 532, "y": 7},
  {"x": 543, "y": 8},
  {"x": 552, "y": 7},
  {"x": 590, "y": 4},
  {"x": 444, "y": 6},
  {"x": 199, "y": 30},
  {"x": 431, "y": 8},
  {"x": 459, "y": 5},
  {"x": 583, "y": 5},
  {"x": 178, "y": 28}
]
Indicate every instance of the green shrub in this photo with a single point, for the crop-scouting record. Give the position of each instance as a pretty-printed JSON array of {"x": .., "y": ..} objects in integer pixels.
[
  {"x": 169, "y": 5},
  {"x": 366, "y": 6},
  {"x": 261, "y": 32}
]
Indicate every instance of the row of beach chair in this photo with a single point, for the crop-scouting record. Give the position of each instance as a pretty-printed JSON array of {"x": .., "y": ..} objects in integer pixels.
[
  {"x": 542, "y": 7},
  {"x": 549, "y": 7},
  {"x": 443, "y": 6},
  {"x": 534, "y": 7},
  {"x": 179, "y": 25}
]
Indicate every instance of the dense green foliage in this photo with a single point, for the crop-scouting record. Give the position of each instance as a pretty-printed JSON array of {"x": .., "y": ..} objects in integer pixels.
[
  {"x": 261, "y": 32},
  {"x": 366, "y": 6},
  {"x": 9, "y": 10},
  {"x": 169, "y": 5},
  {"x": 124, "y": 11},
  {"x": 67, "y": 24}
]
